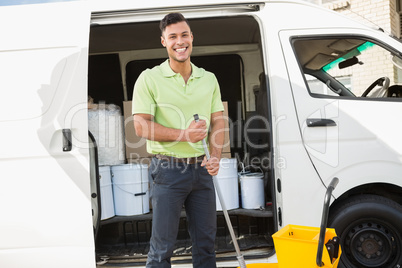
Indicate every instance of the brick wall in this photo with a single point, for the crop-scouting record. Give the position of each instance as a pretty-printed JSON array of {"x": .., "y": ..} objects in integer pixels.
[{"x": 377, "y": 13}]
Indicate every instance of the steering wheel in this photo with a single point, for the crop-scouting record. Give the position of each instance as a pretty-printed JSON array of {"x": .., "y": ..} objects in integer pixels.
[{"x": 383, "y": 82}]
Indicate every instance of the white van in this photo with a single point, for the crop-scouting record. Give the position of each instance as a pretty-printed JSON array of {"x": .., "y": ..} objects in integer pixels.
[{"x": 311, "y": 95}]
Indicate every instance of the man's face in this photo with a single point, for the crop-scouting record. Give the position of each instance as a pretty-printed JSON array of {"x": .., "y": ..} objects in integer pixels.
[{"x": 178, "y": 40}]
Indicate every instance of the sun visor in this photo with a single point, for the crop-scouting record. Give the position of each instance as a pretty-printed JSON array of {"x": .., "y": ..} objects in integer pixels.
[{"x": 318, "y": 61}]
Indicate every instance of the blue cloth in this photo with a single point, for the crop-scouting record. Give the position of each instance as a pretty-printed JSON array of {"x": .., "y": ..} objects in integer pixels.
[{"x": 172, "y": 186}]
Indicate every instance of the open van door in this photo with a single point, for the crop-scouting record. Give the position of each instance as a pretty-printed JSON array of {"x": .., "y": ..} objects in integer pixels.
[{"x": 44, "y": 158}]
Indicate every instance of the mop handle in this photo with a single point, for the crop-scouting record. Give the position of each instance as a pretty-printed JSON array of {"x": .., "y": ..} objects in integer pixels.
[
  {"x": 225, "y": 212},
  {"x": 204, "y": 143}
]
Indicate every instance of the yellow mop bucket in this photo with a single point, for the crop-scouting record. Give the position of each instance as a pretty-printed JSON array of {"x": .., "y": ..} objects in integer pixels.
[
  {"x": 307, "y": 247},
  {"x": 298, "y": 245}
]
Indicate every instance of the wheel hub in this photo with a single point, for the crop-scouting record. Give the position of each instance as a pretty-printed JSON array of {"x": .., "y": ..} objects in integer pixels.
[{"x": 370, "y": 244}]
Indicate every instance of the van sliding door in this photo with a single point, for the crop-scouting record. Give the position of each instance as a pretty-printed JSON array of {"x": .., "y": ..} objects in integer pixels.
[{"x": 45, "y": 189}]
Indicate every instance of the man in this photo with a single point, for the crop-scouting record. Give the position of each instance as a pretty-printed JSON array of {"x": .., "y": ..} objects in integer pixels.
[{"x": 165, "y": 99}]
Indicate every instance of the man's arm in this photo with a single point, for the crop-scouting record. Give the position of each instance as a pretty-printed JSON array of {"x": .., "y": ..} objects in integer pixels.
[
  {"x": 146, "y": 127},
  {"x": 216, "y": 140}
]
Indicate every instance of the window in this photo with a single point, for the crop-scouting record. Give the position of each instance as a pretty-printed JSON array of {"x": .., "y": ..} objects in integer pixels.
[{"x": 348, "y": 67}]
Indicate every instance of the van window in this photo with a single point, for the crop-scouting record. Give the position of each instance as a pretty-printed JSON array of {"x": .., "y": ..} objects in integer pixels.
[{"x": 345, "y": 67}]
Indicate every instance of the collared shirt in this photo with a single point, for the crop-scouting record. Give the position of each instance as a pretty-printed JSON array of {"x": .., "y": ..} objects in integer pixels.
[{"x": 163, "y": 93}]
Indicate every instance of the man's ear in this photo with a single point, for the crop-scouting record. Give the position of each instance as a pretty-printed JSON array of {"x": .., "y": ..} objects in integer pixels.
[{"x": 163, "y": 41}]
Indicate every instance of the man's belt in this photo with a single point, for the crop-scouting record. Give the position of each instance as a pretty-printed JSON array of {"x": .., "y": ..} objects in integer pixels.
[{"x": 185, "y": 160}]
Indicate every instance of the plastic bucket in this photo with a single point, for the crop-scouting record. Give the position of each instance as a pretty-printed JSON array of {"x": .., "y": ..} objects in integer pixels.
[
  {"x": 106, "y": 193},
  {"x": 228, "y": 184},
  {"x": 252, "y": 190},
  {"x": 296, "y": 246},
  {"x": 130, "y": 189}
]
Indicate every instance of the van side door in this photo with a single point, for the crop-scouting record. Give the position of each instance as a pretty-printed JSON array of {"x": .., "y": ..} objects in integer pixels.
[{"x": 44, "y": 160}]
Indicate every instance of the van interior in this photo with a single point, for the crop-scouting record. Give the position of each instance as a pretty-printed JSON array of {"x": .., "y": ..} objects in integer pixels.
[{"x": 231, "y": 48}]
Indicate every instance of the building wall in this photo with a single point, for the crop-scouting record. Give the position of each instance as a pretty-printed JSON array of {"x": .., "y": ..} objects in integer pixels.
[
  {"x": 379, "y": 14},
  {"x": 374, "y": 12}
]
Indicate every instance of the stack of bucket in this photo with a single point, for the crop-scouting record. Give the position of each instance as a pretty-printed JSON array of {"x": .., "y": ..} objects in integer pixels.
[
  {"x": 251, "y": 185},
  {"x": 124, "y": 190}
]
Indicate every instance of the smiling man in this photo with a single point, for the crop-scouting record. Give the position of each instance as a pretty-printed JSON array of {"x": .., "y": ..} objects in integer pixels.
[{"x": 165, "y": 99}]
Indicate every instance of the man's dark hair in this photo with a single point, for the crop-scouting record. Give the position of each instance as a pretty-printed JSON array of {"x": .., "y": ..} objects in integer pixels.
[{"x": 172, "y": 18}]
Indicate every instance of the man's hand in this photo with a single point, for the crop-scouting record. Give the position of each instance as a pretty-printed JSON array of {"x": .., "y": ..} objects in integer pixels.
[
  {"x": 196, "y": 131},
  {"x": 212, "y": 165}
]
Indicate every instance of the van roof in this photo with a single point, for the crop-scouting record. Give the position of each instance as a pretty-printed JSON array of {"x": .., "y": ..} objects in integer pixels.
[
  {"x": 110, "y": 12},
  {"x": 106, "y": 5}
]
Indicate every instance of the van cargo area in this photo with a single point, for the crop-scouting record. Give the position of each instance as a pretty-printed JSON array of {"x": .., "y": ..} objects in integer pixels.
[{"x": 230, "y": 47}]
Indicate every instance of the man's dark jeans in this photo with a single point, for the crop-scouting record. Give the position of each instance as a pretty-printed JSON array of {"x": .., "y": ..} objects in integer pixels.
[{"x": 172, "y": 185}]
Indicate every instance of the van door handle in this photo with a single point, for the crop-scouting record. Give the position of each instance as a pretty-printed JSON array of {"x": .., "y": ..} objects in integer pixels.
[
  {"x": 67, "y": 143},
  {"x": 320, "y": 122}
]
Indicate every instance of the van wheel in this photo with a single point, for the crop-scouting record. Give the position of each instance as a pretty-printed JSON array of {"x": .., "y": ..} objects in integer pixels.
[{"x": 370, "y": 230}]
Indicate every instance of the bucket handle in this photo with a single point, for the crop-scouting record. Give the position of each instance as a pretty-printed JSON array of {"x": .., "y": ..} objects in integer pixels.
[
  {"x": 135, "y": 194},
  {"x": 244, "y": 169}
]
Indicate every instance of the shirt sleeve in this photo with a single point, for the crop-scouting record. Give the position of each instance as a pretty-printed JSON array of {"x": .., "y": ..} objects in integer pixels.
[
  {"x": 217, "y": 105},
  {"x": 143, "y": 97}
]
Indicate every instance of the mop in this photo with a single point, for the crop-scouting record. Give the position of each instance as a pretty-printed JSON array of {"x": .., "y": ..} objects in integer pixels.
[{"x": 240, "y": 257}]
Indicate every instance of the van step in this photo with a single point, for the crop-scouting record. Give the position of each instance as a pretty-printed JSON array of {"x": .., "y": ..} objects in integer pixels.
[
  {"x": 260, "y": 213},
  {"x": 130, "y": 256},
  {"x": 128, "y": 261}
]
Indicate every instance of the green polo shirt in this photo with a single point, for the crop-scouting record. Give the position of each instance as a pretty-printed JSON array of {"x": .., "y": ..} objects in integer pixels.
[{"x": 163, "y": 93}]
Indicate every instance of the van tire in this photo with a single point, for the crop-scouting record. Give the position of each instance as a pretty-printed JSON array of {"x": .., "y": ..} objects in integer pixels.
[{"x": 370, "y": 230}]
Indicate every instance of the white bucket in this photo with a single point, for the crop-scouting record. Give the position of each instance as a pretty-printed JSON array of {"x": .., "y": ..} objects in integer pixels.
[
  {"x": 130, "y": 189},
  {"x": 252, "y": 190},
  {"x": 228, "y": 184},
  {"x": 106, "y": 193}
]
